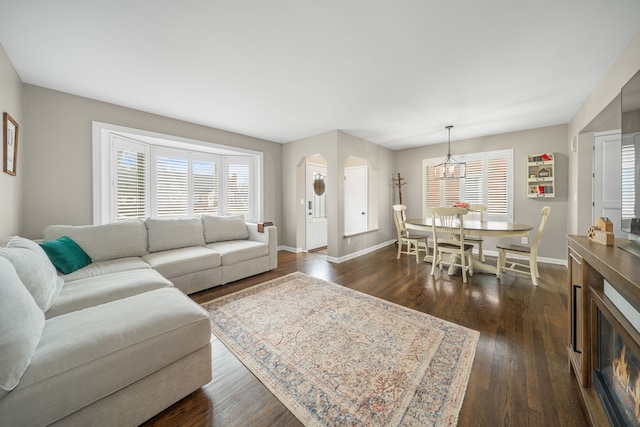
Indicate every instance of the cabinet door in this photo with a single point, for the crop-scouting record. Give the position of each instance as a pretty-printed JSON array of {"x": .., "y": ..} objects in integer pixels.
[{"x": 577, "y": 320}]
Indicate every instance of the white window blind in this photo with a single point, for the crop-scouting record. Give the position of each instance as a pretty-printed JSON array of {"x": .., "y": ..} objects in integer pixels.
[
  {"x": 238, "y": 178},
  {"x": 628, "y": 181},
  {"x": 138, "y": 174},
  {"x": 171, "y": 186},
  {"x": 489, "y": 181},
  {"x": 205, "y": 187},
  {"x": 131, "y": 176}
]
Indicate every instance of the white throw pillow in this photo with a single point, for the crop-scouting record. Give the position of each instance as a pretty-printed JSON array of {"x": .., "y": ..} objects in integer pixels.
[
  {"x": 35, "y": 270},
  {"x": 21, "y": 325},
  {"x": 174, "y": 233},
  {"x": 221, "y": 228}
]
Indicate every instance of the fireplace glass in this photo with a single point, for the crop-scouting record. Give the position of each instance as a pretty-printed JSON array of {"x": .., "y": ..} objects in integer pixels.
[{"x": 617, "y": 376}]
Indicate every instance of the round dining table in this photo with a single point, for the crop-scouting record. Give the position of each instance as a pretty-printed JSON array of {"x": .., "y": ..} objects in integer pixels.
[{"x": 475, "y": 228}]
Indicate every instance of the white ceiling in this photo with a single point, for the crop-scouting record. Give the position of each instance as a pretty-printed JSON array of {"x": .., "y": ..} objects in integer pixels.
[{"x": 394, "y": 72}]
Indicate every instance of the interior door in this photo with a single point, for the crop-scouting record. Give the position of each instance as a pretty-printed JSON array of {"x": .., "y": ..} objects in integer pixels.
[
  {"x": 355, "y": 199},
  {"x": 606, "y": 179},
  {"x": 316, "y": 189}
]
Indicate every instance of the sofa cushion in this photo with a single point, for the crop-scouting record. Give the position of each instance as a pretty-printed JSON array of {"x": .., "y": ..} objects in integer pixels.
[
  {"x": 107, "y": 267},
  {"x": 80, "y": 353},
  {"x": 65, "y": 254},
  {"x": 107, "y": 241},
  {"x": 236, "y": 251},
  {"x": 174, "y": 233},
  {"x": 35, "y": 270},
  {"x": 85, "y": 293},
  {"x": 178, "y": 262},
  {"x": 222, "y": 228},
  {"x": 21, "y": 325}
]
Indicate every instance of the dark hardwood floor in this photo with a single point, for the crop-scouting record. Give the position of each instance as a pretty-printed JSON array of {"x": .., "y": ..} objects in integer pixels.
[{"x": 520, "y": 376}]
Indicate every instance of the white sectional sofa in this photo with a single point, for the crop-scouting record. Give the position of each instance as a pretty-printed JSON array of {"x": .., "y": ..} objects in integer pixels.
[
  {"x": 116, "y": 341},
  {"x": 193, "y": 253}
]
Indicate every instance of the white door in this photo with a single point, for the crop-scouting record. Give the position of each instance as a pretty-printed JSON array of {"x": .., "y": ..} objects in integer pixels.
[
  {"x": 606, "y": 179},
  {"x": 355, "y": 199},
  {"x": 316, "y": 205}
]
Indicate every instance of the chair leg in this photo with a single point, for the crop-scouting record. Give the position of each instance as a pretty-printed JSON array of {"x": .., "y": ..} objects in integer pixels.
[
  {"x": 499, "y": 263},
  {"x": 433, "y": 262},
  {"x": 463, "y": 265},
  {"x": 417, "y": 243},
  {"x": 399, "y": 248},
  {"x": 533, "y": 269},
  {"x": 480, "y": 252}
]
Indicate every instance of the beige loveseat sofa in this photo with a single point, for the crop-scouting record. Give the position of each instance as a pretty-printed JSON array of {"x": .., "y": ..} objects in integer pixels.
[{"x": 114, "y": 342}]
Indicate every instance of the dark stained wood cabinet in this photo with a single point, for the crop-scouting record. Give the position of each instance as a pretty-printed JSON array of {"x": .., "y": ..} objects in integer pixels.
[{"x": 590, "y": 264}]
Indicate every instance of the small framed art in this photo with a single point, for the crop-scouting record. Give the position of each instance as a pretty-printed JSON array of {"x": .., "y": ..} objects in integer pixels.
[{"x": 10, "y": 150}]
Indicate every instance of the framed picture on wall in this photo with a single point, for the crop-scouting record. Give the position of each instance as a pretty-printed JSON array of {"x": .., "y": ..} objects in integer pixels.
[{"x": 10, "y": 150}]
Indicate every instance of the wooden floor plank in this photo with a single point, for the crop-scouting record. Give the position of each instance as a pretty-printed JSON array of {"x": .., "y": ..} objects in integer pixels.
[{"x": 519, "y": 376}]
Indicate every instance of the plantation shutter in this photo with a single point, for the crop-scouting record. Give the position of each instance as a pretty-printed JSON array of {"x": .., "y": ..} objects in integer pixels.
[
  {"x": 238, "y": 179},
  {"x": 131, "y": 178},
  {"x": 474, "y": 182},
  {"x": 451, "y": 191},
  {"x": 205, "y": 187},
  {"x": 488, "y": 181},
  {"x": 432, "y": 186},
  {"x": 497, "y": 186},
  {"x": 628, "y": 181},
  {"x": 172, "y": 185}
]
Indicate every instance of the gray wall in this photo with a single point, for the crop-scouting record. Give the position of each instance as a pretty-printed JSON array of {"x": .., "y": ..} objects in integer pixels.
[
  {"x": 11, "y": 186},
  {"x": 57, "y": 180},
  {"x": 593, "y": 117},
  {"x": 526, "y": 210},
  {"x": 334, "y": 147}
]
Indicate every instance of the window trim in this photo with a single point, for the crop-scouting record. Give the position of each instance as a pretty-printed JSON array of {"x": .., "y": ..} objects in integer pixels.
[
  {"x": 484, "y": 156},
  {"x": 103, "y": 175}
]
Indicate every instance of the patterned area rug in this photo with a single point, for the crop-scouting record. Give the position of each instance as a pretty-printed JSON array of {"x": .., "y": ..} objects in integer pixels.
[{"x": 337, "y": 357}]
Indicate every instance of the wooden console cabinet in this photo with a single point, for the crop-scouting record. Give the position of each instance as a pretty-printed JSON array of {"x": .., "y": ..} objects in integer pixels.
[{"x": 589, "y": 265}]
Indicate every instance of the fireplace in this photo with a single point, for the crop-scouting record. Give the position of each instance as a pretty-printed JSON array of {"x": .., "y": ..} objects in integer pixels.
[{"x": 616, "y": 364}]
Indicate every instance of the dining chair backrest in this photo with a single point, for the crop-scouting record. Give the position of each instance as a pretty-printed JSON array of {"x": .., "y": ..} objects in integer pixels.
[
  {"x": 477, "y": 212},
  {"x": 543, "y": 223},
  {"x": 399, "y": 218},
  {"x": 448, "y": 223}
]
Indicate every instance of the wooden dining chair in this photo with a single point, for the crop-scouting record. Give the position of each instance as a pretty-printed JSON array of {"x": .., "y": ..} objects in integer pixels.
[
  {"x": 406, "y": 236},
  {"x": 477, "y": 213},
  {"x": 527, "y": 251},
  {"x": 447, "y": 225}
]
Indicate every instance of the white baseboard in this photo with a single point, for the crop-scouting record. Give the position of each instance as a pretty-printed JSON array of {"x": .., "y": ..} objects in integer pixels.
[
  {"x": 390, "y": 242},
  {"x": 557, "y": 261}
]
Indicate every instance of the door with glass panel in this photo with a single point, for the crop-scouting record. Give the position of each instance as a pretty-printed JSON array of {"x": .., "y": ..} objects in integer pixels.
[{"x": 316, "y": 205}]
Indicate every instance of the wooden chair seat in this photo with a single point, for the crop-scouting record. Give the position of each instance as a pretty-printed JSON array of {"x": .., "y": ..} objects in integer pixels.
[
  {"x": 448, "y": 238},
  {"x": 531, "y": 268},
  {"x": 512, "y": 247},
  {"x": 411, "y": 238}
]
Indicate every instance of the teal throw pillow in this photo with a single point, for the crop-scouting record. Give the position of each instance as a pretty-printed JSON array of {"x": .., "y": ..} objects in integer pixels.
[{"x": 66, "y": 254}]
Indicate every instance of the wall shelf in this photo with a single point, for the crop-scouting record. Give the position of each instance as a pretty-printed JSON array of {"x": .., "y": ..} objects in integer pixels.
[{"x": 541, "y": 176}]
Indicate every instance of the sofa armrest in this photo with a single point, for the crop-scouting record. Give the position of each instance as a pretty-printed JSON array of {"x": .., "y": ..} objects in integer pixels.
[{"x": 269, "y": 237}]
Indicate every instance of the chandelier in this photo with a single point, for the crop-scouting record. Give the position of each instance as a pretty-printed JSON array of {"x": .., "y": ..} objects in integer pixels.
[{"x": 450, "y": 168}]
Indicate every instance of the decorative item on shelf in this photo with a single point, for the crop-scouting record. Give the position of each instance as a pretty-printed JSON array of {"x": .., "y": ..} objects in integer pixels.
[
  {"x": 602, "y": 232},
  {"x": 545, "y": 157},
  {"x": 450, "y": 168},
  {"x": 262, "y": 225},
  {"x": 544, "y": 173}
]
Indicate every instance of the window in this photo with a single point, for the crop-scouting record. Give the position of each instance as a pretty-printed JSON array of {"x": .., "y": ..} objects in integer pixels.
[
  {"x": 488, "y": 181},
  {"x": 628, "y": 181},
  {"x": 137, "y": 176}
]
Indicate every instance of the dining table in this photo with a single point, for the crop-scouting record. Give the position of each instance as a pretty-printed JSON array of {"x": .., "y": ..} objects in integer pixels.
[{"x": 475, "y": 228}]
